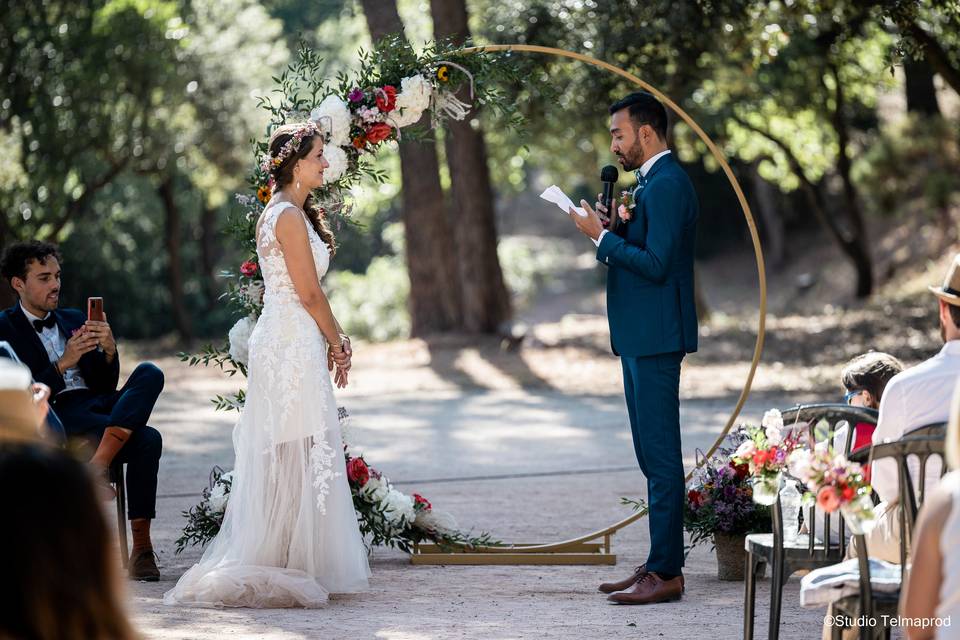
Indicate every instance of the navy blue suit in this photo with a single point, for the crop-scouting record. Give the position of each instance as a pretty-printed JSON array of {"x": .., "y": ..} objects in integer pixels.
[
  {"x": 653, "y": 324},
  {"x": 85, "y": 413}
]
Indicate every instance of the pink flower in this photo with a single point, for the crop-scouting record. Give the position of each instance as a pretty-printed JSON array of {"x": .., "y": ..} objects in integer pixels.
[
  {"x": 827, "y": 499},
  {"x": 356, "y": 95},
  {"x": 624, "y": 213},
  {"x": 249, "y": 268}
]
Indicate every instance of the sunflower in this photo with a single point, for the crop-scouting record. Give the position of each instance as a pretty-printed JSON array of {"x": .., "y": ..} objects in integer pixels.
[
  {"x": 263, "y": 193},
  {"x": 443, "y": 74}
]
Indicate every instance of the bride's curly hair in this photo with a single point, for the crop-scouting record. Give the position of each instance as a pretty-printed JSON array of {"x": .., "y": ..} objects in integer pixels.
[{"x": 282, "y": 175}]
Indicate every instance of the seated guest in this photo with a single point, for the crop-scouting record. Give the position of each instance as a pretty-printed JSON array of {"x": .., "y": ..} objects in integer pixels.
[
  {"x": 54, "y": 428},
  {"x": 21, "y": 412},
  {"x": 933, "y": 585},
  {"x": 77, "y": 358},
  {"x": 864, "y": 380},
  {"x": 61, "y": 576},
  {"x": 921, "y": 395}
]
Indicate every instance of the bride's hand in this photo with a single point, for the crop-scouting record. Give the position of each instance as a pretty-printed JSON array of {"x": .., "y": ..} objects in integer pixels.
[{"x": 340, "y": 378}]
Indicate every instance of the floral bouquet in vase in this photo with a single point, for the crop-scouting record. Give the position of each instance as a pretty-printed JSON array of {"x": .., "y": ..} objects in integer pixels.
[
  {"x": 833, "y": 482},
  {"x": 765, "y": 452}
]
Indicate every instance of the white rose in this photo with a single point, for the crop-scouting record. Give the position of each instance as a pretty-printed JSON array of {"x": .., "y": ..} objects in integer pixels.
[
  {"x": 412, "y": 101},
  {"x": 772, "y": 418},
  {"x": 375, "y": 490},
  {"x": 399, "y": 509},
  {"x": 774, "y": 435},
  {"x": 799, "y": 465},
  {"x": 239, "y": 338},
  {"x": 745, "y": 450},
  {"x": 337, "y": 159},
  {"x": 218, "y": 498},
  {"x": 338, "y": 113}
]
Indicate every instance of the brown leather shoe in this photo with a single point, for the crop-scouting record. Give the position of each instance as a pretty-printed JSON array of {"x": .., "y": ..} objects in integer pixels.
[
  {"x": 143, "y": 567},
  {"x": 650, "y": 588},
  {"x": 613, "y": 587}
]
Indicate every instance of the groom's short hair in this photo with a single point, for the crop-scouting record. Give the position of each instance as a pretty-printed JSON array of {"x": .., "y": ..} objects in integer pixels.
[
  {"x": 644, "y": 109},
  {"x": 17, "y": 257}
]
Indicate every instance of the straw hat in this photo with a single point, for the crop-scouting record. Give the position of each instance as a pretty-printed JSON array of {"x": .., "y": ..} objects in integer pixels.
[
  {"x": 950, "y": 291},
  {"x": 20, "y": 419}
]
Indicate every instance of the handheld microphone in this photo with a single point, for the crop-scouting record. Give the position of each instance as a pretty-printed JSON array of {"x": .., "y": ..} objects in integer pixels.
[{"x": 608, "y": 176}]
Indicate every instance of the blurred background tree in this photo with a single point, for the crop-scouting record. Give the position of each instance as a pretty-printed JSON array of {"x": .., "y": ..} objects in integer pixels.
[{"x": 128, "y": 126}]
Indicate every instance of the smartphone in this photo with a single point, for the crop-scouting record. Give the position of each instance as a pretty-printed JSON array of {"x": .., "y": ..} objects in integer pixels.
[{"x": 95, "y": 309}]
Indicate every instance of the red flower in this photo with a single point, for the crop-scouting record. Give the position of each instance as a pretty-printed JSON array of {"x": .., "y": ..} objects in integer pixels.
[
  {"x": 378, "y": 133},
  {"x": 419, "y": 502},
  {"x": 847, "y": 493},
  {"x": 387, "y": 99},
  {"x": 742, "y": 470},
  {"x": 249, "y": 268},
  {"x": 357, "y": 471},
  {"x": 360, "y": 142},
  {"x": 695, "y": 498}
]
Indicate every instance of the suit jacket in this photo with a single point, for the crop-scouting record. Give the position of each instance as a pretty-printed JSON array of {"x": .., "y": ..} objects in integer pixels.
[
  {"x": 650, "y": 300},
  {"x": 101, "y": 376}
]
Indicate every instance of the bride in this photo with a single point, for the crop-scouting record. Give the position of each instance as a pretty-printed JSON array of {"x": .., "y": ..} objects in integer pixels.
[{"x": 290, "y": 535}]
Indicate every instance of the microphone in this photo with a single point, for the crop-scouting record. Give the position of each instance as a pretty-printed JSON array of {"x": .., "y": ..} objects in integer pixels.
[{"x": 608, "y": 176}]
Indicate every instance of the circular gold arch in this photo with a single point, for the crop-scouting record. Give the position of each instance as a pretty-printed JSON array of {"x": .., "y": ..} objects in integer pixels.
[{"x": 761, "y": 273}]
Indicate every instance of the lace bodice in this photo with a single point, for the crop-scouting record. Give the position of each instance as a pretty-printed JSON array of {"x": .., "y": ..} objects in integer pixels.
[{"x": 278, "y": 287}]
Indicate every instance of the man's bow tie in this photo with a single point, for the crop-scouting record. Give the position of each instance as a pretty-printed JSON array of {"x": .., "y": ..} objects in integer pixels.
[{"x": 46, "y": 323}]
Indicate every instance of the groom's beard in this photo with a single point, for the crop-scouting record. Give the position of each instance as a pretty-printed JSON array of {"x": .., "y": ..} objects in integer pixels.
[{"x": 633, "y": 158}]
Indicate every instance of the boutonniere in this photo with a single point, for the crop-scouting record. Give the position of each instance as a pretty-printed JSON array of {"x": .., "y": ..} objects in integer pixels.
[{"x": 625, "y": 207}]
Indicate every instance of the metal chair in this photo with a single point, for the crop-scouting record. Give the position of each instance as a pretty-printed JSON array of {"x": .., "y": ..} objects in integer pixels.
[
  {"x": 786, "y": 560},
  {"x": 923, "y": 444}
]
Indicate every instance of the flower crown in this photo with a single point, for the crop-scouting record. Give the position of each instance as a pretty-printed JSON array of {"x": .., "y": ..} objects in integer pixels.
[{"x": 290, "y": 147}]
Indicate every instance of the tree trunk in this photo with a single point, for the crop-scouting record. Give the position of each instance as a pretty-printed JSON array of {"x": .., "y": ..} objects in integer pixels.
[
  {"x": 484, "y": 295},
  {"x": 921, "y": 92},
  {"x": 209, "y": 254},
  {"x": 765, "y": 204},
  {"x": 934, "y": 53},
  {"x": 431, "y": 261},
  {"x": 167, "y": 192},
  {"x": 861, "y": 252}
]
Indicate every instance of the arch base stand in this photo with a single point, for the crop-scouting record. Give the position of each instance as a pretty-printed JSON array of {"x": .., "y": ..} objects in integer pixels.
[{"x": 584, "y": 553}]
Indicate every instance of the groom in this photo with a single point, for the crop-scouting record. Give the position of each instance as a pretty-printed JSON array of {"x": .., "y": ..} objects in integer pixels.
[{"x": 653, "y": 324}]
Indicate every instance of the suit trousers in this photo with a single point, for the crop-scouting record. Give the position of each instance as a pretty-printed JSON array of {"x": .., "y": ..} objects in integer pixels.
[
  {"x": 85, "y": 414},
  {"x": 652, "y": 389}
]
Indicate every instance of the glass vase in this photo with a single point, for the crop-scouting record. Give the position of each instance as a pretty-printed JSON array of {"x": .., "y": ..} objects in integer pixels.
[
  {"x": 766, "y": 488},
  {"x": 859, "y": 515}
]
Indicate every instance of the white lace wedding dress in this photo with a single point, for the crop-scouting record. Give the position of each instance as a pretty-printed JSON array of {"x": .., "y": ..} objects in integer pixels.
[{"x": 290, "y": 535}]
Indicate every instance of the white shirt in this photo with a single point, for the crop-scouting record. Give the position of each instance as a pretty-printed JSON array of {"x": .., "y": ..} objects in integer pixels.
[
  {"x": 644, "y": 169},
  {"x": 915, "y": 398},
  {"x": 56, "y": 343}
]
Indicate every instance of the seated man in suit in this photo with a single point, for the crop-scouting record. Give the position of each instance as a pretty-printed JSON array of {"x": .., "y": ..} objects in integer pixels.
[{"x": 78, "y": 360}]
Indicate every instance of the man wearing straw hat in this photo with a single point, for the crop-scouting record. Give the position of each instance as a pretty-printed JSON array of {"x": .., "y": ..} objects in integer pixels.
[{"x": 921, "y": 395}]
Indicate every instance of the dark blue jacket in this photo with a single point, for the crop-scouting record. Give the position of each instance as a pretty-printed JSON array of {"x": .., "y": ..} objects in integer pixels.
[
  {"x": 650, "y": 300},
  {"x": 101, "y": 376}
]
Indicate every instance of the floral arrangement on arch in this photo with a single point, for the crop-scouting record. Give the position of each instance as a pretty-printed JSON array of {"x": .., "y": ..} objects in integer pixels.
[
  {"x": 387, "y": 516},
  {"x": 360, "y": 114}
]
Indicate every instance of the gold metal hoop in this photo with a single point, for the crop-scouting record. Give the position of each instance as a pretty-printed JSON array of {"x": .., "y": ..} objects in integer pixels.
[{"x": 582, "y": 543}]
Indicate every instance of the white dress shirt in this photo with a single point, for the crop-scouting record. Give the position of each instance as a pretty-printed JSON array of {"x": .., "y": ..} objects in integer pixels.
[
  {"x": 644, "y": 168},
  {"x": 915, "y": 398},
  {"x": 56, "y": 343}
]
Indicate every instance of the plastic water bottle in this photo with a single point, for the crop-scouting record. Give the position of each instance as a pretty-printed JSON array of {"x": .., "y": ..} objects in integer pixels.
[{"x": 790, "y": 507}]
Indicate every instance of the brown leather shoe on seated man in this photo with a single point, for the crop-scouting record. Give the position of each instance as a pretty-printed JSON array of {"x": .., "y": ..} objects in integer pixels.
[
  {"x": 623, "y": 585},
  {"x": 144, "y": 567},
  {"x": 650, "y": 588}
]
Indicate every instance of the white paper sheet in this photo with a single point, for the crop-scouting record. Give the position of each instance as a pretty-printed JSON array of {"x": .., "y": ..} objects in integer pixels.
[{"x": 555, "y": 194}]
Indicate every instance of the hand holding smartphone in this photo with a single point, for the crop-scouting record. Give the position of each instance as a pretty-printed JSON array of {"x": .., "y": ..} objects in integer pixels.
[{"x": 95, "y": 310}]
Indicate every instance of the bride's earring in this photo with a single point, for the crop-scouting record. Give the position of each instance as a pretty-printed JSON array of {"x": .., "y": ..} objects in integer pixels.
[{"x": 298, "y": 181}]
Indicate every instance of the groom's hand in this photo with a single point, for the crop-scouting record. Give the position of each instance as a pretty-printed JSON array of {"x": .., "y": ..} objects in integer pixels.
[{"x": 590, "y": 224}]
